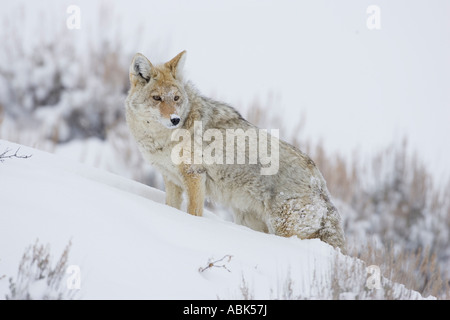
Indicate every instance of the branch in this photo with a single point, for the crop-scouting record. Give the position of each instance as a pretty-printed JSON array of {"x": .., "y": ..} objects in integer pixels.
[
  {"x": 4, "y": 155},
  {"x": 212, "y": 264}
]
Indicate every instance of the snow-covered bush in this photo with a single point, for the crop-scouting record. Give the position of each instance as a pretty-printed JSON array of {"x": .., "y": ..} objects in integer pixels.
[
  {"x": 37, "y": 278},
  {"x": 61, "y": 86},
  {"x": 349, "y": 279}
]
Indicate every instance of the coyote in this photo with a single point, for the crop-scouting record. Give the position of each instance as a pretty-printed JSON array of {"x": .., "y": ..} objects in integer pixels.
[{"x": 293, "y": 201}]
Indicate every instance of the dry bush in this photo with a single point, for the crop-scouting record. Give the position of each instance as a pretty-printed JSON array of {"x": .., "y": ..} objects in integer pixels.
[
  {"x": 37, "y": 278},
  {"x": 245, "y": 290},
  {"x": 418, "y": 270},
  {"x": 60, "y": 87},
  {"x": 347, "y": 278}
]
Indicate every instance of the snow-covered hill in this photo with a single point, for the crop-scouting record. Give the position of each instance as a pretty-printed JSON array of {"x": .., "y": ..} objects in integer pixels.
[{"x": 128, "y": 245}]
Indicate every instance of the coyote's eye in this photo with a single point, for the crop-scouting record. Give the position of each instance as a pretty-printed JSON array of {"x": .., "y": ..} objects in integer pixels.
[
  {"x": 176, "y": 98},
  {"x": 157, "y": 98}
]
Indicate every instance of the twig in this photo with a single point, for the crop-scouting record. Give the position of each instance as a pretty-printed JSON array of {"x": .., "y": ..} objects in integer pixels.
[
  {"x": 212, "y": 264},
  {"x": 4, "y": 155}
]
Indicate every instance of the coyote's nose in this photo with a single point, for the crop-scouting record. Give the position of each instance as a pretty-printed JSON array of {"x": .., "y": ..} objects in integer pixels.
[{"x": 175, "y": 120}]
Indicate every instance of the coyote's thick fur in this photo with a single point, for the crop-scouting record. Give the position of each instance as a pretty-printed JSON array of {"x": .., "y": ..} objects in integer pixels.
[{"x": 292, "y": 202}]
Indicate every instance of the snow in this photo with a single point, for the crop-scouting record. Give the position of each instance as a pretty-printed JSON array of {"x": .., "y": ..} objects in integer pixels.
[{"x": 129, "y": 245}]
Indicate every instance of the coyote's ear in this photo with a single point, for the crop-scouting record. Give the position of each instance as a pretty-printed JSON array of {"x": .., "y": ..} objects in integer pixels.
[
  {"x": 140, "y": 69},
  {"x": 176, "y": 64}
]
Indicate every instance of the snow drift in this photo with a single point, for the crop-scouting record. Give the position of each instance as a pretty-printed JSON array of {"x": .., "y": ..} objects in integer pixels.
[{"x": 127, "y": 244}]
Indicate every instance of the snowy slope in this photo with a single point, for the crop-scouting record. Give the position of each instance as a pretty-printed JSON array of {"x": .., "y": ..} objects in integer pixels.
[{"x": 129, "y": 245}]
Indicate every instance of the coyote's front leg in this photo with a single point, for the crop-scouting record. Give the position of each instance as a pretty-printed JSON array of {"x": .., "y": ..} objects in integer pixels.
[
  {"x": 174, "y": 193},
  {"x": 194, "y": 181}
]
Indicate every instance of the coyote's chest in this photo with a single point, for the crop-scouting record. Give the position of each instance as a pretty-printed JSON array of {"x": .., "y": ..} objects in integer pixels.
[
  {"x": 158, "y": 153},
  {"x": 156, "y": 148}
]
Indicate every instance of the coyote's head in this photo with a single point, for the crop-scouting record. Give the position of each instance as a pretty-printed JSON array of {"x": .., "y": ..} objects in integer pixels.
[{"x": 157, "y": 92}]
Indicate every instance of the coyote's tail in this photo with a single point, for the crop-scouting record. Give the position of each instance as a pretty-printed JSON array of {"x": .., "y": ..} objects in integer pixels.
[{"x": 331, "y": 231}]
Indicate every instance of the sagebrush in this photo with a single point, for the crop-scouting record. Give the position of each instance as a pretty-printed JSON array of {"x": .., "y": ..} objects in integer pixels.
[{"x": 38, "y": 278}]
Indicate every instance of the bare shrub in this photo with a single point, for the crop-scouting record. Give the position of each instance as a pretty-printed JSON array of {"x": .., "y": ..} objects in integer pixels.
[
  {"x": 416, "y": 270},
  {"x": 52, "y": 86},
  {"x": 220, "y": 263},
  {"x": 37, "y": 278},
  {"x": 345, "y": 278},
  {"x": 7, "y": 154},
  {"x": 245, "y": 289}
]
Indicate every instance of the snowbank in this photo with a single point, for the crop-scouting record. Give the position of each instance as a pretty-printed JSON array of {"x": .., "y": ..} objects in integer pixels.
[{"x": 129, "y": 245}]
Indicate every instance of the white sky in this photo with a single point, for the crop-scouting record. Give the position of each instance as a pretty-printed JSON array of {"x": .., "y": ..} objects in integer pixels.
[{"x": 358, "y": 88}]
